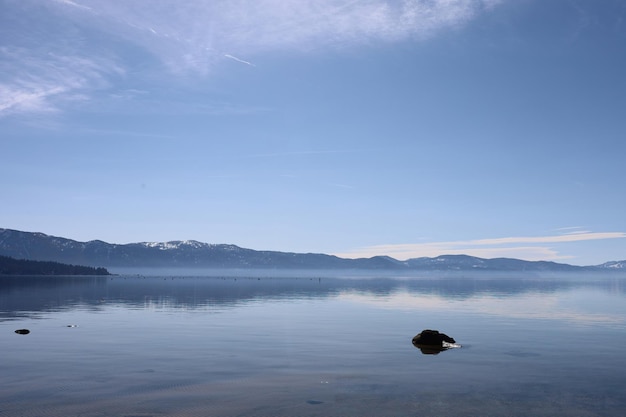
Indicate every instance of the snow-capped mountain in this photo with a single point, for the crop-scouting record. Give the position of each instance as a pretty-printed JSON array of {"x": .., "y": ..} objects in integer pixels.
[
  {"x": 614, "y": 265},
  {"x": 191, "y": 253}
]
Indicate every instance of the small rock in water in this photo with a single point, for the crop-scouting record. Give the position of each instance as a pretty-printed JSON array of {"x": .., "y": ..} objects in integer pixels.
[
  {"x": 432, "y": 338},
  {"x": 431, "y": 342},
  {"x": 22, "y": 331}
]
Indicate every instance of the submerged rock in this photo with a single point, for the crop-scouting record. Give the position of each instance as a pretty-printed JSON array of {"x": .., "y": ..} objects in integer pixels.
[{"x": 22, "y": 331}]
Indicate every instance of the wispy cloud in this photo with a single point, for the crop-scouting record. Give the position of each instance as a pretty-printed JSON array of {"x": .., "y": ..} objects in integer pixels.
[
  {"x": 73, "y": 4},
  {"x": 522, "y": 247},
  {"x": 239, "y": 60},
  {"x": 569, "y": 237},
  {"x": 572, "y": 230},
  {"x": 41, "y": 83},
  {"x": 196, "y": 30},
  {"x": 298, "y": 153},
  {"x": 192, "y": 37},
  {"x": 345, "y": 186}
]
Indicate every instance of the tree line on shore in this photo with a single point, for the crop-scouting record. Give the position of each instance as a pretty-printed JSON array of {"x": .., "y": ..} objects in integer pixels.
[{"x": 12, "y": 266}]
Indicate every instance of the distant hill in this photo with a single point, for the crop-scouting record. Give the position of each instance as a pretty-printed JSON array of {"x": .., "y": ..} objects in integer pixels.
[
  {"x": 12, "y": 266},
  {"x": 190, "y": 254},
  {"x": 615, "y": 265}
]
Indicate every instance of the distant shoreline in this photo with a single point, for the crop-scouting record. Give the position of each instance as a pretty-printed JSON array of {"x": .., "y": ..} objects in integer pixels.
[
  {"x": 21, "y": 267},
  {"x": 190, "y": 254}
]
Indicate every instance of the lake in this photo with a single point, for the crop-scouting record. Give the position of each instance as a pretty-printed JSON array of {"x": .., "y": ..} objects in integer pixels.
[{"x": 313, "y": 344}]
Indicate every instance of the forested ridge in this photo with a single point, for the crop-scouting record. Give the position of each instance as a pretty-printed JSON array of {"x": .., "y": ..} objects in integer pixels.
[{"x": 12, "y": 266}]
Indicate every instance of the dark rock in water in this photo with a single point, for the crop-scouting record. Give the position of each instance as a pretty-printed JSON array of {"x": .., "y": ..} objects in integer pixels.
[
  {"x": 432, "y": 338},
  {"x": 431, "y": 350},
  {"x": 22, "y": 331},
  {"x": 431, "y": 342}
]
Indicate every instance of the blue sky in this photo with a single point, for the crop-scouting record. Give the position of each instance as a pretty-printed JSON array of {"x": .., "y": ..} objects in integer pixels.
[{"x": 357, "y": 128}]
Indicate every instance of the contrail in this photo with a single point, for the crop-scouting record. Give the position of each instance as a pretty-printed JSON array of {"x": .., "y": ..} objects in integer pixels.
[
  {"x": 71, "y": 3},
  {"x": 239, "y": 60}
]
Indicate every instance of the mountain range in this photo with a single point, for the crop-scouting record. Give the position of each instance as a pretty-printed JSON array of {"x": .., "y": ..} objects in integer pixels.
[{"x": 193, "y": 254}]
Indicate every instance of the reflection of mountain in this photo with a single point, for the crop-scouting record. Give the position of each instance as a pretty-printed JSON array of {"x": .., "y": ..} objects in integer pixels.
[
  {"x": 29, "y": 295},
  {"x": 192, "y": 254}
]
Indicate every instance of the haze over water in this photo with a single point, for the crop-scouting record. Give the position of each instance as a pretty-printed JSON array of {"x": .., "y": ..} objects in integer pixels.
[{"x": 312, "y": 345}]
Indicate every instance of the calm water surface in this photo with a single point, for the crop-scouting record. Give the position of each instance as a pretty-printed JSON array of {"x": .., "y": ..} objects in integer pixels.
[{"x": 312, "y": 346}]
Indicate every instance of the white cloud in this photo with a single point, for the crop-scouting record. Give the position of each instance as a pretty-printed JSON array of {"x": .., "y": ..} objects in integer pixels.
[
  {"x": 193, "y": 36},
  {"x": 515, "y": 247},
  {"x": 73, "y": 4},
  {"x": 40, "y": 83},
  {"x": 570, "y": 237},
  {"x": 197, "y": 30},
  {"x": 572, "y": 230},
  {"x": 239, "y": 60},
  {"x": 25, "y": 98}
]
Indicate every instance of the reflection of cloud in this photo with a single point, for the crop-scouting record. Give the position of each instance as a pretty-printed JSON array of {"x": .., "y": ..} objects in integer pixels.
[
  {"x": 483, "y": 248},
  {"x": 524, "y": 306}
]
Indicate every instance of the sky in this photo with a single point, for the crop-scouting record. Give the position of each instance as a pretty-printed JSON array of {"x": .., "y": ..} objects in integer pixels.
[{"x": 493, "y": 128}]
